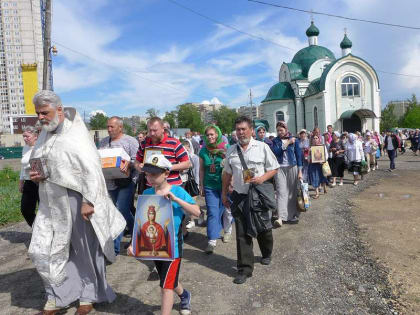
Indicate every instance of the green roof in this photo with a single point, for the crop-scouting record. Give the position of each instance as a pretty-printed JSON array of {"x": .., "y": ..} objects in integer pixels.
[
  {"x": 308, "y": 55},
  {"x": 346, "y": 42},
  {"x": 313, "y": 88},
  {"x": 312, "y": 30},
  {"x": 295, "y": 71},
  {"x": 280, "y": 91},
  {"x": 328, "y": 68}
]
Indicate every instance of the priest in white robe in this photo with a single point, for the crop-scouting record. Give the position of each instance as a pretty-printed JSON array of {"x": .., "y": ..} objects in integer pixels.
[{"x": 76, "y": 221}]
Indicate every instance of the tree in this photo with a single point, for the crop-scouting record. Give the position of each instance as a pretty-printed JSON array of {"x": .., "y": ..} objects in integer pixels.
[
  {"x": 171, "y": 118},
  {"x": 128, "y": 130},
  {"x": 224, "y": 118},
  {"x": 98, "y": 121},
  {"x": 152, "y": 112},
  {"x": 189, "y": 117},
  {"x": 412, "y": 117},
  {"x": 388, "y": 119}
]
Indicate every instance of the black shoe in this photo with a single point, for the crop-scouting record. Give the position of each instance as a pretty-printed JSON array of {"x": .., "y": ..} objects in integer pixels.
[
  {"x": 293, "y": 221},
  {"x": 265, "y": 261},
  {"x": 241, "y": 278}
]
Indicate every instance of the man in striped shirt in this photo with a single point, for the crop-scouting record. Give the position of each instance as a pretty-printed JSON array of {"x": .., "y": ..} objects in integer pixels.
[{"x": 170, "y": 147}]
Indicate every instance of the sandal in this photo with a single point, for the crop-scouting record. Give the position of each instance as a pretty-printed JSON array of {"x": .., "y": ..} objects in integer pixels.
[{"x": 315, "y": 197}]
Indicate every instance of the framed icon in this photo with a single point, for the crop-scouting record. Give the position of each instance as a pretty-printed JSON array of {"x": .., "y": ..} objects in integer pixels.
[
  {"x": 153, "y": 233},
  {"x": 151, "y": 151},
  {"x": 318, "y": 154}
]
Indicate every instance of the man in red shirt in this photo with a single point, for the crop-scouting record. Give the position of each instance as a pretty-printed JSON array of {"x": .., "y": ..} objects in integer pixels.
[{"x": 171, "y": 148}]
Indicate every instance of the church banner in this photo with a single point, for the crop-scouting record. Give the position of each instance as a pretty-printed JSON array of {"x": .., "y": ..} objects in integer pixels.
[{"x": 153, "y": 233}]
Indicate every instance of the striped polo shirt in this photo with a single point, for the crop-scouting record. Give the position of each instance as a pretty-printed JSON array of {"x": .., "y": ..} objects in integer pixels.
[{"x": 172, "y": 149}]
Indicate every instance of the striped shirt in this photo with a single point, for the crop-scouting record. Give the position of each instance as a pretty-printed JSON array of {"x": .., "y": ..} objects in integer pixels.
[{"x": 171, "y": 148}]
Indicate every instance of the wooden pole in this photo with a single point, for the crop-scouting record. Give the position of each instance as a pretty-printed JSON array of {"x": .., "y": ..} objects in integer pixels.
[{"x": 47, "y": 46}]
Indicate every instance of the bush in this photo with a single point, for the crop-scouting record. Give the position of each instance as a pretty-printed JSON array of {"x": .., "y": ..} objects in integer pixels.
[{"x": 9, "y": 197}]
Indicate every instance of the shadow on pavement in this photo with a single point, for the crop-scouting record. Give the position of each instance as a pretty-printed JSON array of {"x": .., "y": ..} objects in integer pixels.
[
  {"x": 25, "y": 288},
  {"x": 125, "y": 304},
  {"x": 17, "y": 237}
]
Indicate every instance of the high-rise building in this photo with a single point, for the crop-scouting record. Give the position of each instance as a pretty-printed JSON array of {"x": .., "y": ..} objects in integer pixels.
[
  {"x": 21, "y": 58},
  {"x": 246, "y": 111}
]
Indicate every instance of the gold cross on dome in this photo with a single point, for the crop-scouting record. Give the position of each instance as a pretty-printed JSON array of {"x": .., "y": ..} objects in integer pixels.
[
  {"x": 312, "y": 15},
  {"x": 345, "y": 31}
]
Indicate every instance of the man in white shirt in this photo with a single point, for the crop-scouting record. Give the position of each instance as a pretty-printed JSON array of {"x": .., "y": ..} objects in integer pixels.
[{"x": 261, "y": 160}]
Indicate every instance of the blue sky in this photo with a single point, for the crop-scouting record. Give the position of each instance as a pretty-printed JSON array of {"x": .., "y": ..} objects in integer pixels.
[{"x": 124, "y": 57}]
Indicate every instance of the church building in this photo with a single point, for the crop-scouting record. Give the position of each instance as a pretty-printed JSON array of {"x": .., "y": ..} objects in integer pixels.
[{"x": 316, "y": 89}]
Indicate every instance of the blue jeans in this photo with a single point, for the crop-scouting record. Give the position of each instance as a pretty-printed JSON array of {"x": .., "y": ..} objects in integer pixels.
[
  {"x": 391, "y": 156},
  {"x": 122, "y": 198},
  {"x": 215, "y": 211}
]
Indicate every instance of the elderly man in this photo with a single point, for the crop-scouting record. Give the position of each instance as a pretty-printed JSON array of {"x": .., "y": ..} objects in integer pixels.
[
  {"x": 76, "y": 220},
  {"x": 122, "y": 190},
  {"x": 259, "y": 158}
]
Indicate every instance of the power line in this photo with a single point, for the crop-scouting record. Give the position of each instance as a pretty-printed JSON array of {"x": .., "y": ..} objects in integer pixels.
[
  {"x": 157, "y": 83},
  {"x": 228, "y": 26},
  {"x": 301, "y": 10},
  {"x": 334, "y": 15}
]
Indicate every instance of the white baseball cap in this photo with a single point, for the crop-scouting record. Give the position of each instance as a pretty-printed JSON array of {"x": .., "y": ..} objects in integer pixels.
[{"x": 157, "y": 163}]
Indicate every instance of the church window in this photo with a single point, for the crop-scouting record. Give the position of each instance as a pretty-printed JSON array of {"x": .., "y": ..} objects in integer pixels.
[
  {"x": 279, "y": 116},
  {"x": 315, "y": 116},
  {"x": 350, "y": 86}
]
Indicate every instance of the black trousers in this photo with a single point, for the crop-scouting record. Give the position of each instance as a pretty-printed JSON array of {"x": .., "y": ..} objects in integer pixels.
[
  {"x": 244, "y": 242},
  {"x": 29, "y": 200}
]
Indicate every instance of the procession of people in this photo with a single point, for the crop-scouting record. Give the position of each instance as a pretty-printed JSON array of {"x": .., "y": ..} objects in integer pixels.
[{"x": 249, "y": 180}]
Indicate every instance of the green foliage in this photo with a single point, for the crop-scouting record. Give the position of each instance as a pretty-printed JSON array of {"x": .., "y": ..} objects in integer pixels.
[
  {"x": 10, "y": 197},
  {"x": 152, "y": 112},
  {"x": 412, "y": 118},
  {"x": 189, "y": 117},
  {"x": 128, "y": 130},
  {"x": 171, "y": 118},
  {"x": 388, "y": 119},
  {"x": 98, "y": 122},
  {"x": 225, "y": 119},
  {"x": 141, "y": 127}
]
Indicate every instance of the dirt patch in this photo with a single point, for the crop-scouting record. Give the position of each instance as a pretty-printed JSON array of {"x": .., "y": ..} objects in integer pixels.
[{"x": 388, "y": 215}]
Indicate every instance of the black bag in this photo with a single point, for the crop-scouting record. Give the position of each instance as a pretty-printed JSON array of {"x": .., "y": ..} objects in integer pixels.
[
  {"x": 191, "y": 186},
  {"x": 258, "y": 206}
]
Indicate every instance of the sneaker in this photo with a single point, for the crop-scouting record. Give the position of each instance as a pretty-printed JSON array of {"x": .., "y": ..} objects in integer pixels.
[
  {"x": 190, "y": 224},
  {"x": 277, "y": 223},
  {"x": 373, "y": 168},
  {"x": 210, "y": 249},
  {"x": 227, "y": 237},
  {"x": 341, "y": 184},
  {"x": 265, "y": 261},
  {"x": 185, "y": 305}
]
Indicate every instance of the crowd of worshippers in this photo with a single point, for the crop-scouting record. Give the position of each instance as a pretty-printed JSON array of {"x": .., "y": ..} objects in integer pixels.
[{"x": 249, "y": 179}]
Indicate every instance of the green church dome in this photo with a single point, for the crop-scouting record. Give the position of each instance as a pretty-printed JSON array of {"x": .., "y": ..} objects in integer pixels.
[
  {"x": 346, "y": 42},
  {"x": 308, "y": 55},
  {"x": 280, "y": 91},
  {"x": 312, "y": 30}
]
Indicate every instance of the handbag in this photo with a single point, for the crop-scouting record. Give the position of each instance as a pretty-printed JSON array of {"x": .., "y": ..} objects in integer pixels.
[
  {"x": 303, "y": 196},
  {"x": 363, "y": 167},
  {"x": 191, "y": 185},
  {"x": 121, "y": 182},
  {"x": 326, "y": 170}
]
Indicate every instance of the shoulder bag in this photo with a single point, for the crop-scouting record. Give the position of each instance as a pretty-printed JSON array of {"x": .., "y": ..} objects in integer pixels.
[{"x": 191, "y": 186}]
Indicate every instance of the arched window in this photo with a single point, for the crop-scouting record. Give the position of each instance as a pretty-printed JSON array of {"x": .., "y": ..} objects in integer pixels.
[
  {"x": 279, "y": 116},
  {"x": 350, "y": 86},
  {"x": 315, "y": 117}
]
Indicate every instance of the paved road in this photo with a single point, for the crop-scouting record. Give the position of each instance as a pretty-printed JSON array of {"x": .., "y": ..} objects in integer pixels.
[{"x": 320, "y": 266}]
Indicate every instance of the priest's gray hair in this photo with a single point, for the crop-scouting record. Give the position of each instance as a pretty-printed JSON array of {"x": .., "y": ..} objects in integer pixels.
[{"x": 46, "y": 97}]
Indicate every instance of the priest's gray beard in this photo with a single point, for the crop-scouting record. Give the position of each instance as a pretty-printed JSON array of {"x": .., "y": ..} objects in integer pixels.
[{"x": 52, "y": 125}]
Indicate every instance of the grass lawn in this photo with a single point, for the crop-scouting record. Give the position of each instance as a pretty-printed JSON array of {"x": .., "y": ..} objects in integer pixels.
[{"x": 9, "y": 197}]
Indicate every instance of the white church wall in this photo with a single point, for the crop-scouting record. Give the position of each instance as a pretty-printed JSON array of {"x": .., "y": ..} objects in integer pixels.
[
  {"x": 338, "y": 104},
  {"x": 312, "y": 103},
  {"x": 271, "y": 108}
]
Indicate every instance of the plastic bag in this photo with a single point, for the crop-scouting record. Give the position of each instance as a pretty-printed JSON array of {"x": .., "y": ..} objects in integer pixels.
[{"x": 326, "y": 170}]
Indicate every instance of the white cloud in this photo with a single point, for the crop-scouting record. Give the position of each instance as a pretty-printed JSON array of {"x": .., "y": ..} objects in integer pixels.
[{"x": 98, "y": 111}]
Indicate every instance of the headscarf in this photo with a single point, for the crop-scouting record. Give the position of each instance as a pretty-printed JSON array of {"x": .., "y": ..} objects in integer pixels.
[
  {"x": 352, "y": 138},
  {"x": 218, "y": 148},
  {"x": 256, "y": 133},
  {"x": 337, "y": 134}
]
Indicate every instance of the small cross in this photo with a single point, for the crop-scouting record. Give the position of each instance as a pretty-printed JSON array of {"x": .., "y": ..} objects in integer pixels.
[
  {"x": 312, "y": 15},
  {"x": 345, "y": 31}
]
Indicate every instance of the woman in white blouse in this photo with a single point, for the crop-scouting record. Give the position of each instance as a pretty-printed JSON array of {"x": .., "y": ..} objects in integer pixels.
[
  {"x": 27, "y": 187},
  {"x": 355, "y": 155}
]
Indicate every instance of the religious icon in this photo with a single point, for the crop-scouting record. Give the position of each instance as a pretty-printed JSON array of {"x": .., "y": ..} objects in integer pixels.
[
  {"x": 248, "y": 174},
  {"x": 318, "y": 154},
  {"x": 151, "y": 151},
  {"x": 153, "y": 234}
]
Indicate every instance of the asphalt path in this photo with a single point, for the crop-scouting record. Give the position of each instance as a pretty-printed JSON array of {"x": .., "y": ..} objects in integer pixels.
[{"x": 319, "y": 266}]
